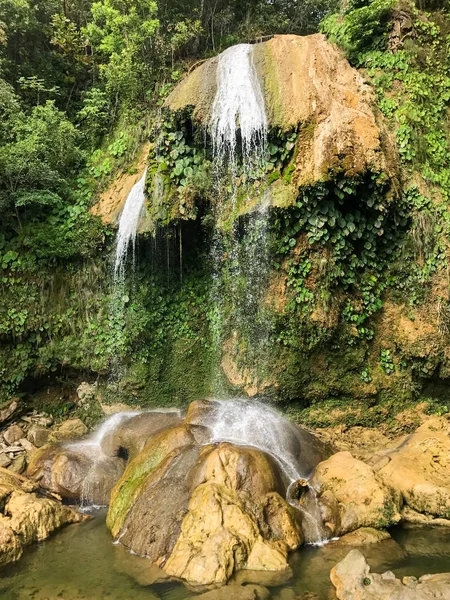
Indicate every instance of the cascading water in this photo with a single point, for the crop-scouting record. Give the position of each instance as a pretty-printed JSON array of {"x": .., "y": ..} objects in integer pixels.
[
  {"x": 238, "y": 128},
  {"x": 91, "y": 448},
  {"x": 238, "y": 105},
  {"x": 128, "y": 225},
  {"x": 252, "y": 423}
]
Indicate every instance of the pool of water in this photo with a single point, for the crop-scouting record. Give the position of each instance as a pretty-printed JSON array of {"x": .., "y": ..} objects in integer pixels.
[{"x": 81, "y": 563}]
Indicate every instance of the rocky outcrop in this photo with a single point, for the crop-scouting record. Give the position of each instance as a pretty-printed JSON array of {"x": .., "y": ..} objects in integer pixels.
[
  {"x": 26, "y": 516},
  {"x": 203, "y": 512},
  {"x": 350, "y": 495},
  {"x": 308, "y": 86},
  {"x": 112, "y": 200},
  {"x": 236, "y": 519},
  {"x": 419, "y": 469},
  {"x": 353, "y": 580},
  {"x": 68, "y": 430}
]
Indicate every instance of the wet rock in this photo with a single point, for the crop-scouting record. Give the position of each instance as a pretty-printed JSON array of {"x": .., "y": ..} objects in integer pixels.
[
  {"x": 236, "y": 592},
  {"x": 13, "y": 434},
  {"x": 295, "y": 445},
  {"x": 142, "y": 477},
  {"x": 306, "y": 80},
  {"x": 25, "y": 517},
  {"x": 350, "y": 495},
  {"x": 353, "y": 580},
  {"x": 227, "y": 527},
  {"x": 203, "y": 512},
  {"x": 75, "y": 473},
  {"x": 363, "y": 536},
  {"x": 68, "y": 430},
  {"x": 419, "y": 470},
  {"x": 132, "y": 435},
  {"x": 38, "y": 435}
]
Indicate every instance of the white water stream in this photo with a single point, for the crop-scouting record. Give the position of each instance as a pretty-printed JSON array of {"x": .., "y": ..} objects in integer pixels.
[
  {"x": 128, "y": 225},
  {"x": 238, "y": 105}
]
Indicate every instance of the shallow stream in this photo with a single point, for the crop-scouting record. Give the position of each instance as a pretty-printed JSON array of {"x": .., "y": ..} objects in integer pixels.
[{"x": 81, "y": 563}]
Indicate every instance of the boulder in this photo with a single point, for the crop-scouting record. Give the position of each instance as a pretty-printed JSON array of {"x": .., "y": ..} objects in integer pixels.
[
  {"x": 202, "y": 512},
  {"x": 38, "y": 435},
  {"x": 419, "y": 468},
  {"x": 13, "y": 434},
  {"x": 231, "y": 525},
  {"x": 26, "y": 517},
  {"x": 68, "y": 430},
  {"x": 76, "y": 473},
  {"x": 132, "y": 434},
  {"x": 347, "y": 494},
  {"x": 353, "y": 580}
]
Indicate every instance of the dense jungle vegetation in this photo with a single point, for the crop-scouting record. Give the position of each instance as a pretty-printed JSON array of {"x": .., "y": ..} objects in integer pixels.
[{"x": 80, "y": 85}]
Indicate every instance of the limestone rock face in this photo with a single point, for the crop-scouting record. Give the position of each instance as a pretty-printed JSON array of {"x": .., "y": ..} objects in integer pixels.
[
  {"x": 307, "y": 84},
  {"x": 25, "y": 517},
  {"x": 354, "y": 581},
  {"x": 420, "y": 469},
  {"x": 112, "y": 200},
  {"x": 351, "y": 495}
]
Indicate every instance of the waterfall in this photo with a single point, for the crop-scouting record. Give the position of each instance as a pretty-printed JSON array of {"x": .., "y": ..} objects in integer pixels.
[
  {"x": 91, "y": 449},
  {"x": 238, "y": 104},
  {"x": 238, "y": 128},
  {"x": 128, "y": 225},
  {"x": 252, "y": 423}
]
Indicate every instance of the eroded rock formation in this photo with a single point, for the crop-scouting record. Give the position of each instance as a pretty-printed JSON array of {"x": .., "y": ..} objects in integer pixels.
[
  {"x": 308, "y": 85},
  {"x": 26, "y": 516},
  {"x": 353, "y": 580}
]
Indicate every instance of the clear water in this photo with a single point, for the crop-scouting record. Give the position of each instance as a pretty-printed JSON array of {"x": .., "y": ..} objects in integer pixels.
[
  {"x": 81, "y": 563},
  {"x": 128, "y": 225}
]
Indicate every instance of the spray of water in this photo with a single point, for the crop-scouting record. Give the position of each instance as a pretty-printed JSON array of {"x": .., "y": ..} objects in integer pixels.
[
  {"x": 128, "y": 225},
  {"x": 251, "y": 423},
  {"x": 91, "y": 448}
]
